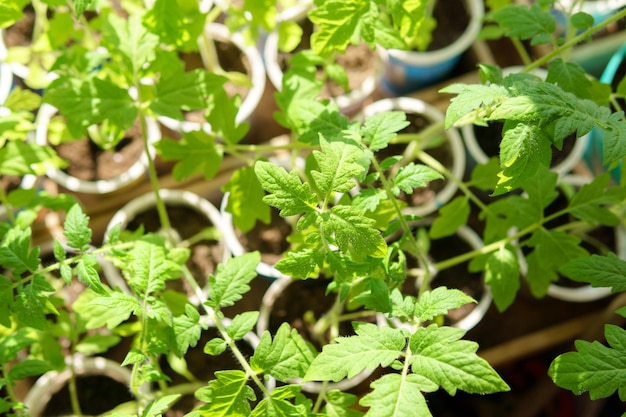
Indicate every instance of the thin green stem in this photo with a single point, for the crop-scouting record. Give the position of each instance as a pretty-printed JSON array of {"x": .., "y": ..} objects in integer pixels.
[
  {"x": 8, "y": 207},
  {"x": 73, "y": 388},
  {"x": 414, "y": 246},
  {"x": 10, "y": 392},
  {"x": 575, "y": 40},
  {"x": 521, "y": 51},
  {"x": 436, "y": 165},
  {"x": 189, "y": 278}
]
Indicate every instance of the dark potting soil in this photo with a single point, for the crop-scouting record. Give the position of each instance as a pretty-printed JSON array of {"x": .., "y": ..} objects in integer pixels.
[
  {"x": 301, "y": 304},
  {"x": 21, "y": 32},
  {"x": 452, "y": 20},
  {"x": 89, "y": 162},
  {"x": 269, "y": 239},
  {"x": 97, "y": 394}
]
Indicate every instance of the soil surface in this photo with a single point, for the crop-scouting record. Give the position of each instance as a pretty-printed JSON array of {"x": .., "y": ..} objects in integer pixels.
[
  {"x": 452, "y": 20},
  {"x": 89, "y": 162},
  {"x": 269, "y": 239}
]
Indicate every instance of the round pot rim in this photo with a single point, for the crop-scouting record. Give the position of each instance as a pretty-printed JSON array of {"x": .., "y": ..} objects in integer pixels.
[
  {"x": 428, "y": 58},
  {"x": 417, "y": 106},
  {"x": 576, "y": 154},
  {"x": 51, "y": 382},
  {"x": 257, "y": 79},
  {"x": 6, "y": 81},
  {"x": 344, "y": 101},
  {"x": 134, "y": 172}
]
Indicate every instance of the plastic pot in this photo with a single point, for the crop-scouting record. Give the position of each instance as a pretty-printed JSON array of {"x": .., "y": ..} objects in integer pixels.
[
  {"x": 411, "y": 105},
  {"x": 125, "y": 179},
  {"x": 257, "y": 76},
  {"x": 51, "y": 383},
  {"x": 407, "y": 71}
]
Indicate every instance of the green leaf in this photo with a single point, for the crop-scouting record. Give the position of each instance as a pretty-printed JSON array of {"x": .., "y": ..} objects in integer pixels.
[
  {"x": 552, "y": 249},
  {"x": 196, "y": 153},
  {"x": 215, "y": 347},
  {"x": 287, "y": 192},
  {"x": 371, "y": 347},
  {"x": 595, "y": 368},
  {"x": 452, "y": 363},
  {"x": 502, "y": 273},
  {"x": 87, "y": 102},
  {"x": 187, "y": 329},
  {"x": 76, "y": 228},
  {"x": 10, "y": 12},
  {"x": 439, "y": 301},
  {"x": 32, "y": 304},
  {"x": 587, "y": 203},
  {"x": 22, "y": 158},
  {"x": 451, "y": 216},
  {"x": 571, "y": 77},
  {"x": 110, "y": 310},
  {"x": 599, "y": 271},
  {"x": 11, "y": 344},
  {"x": 15, "y": 252},
  {"x": 232, "y": 279},
  {"x": 228, "y": 395},
  {"x": 338, "y": 404},
  {"x": 150, "y": 268},
  {"x": 300, "y": 264},
  {"x": 81, "y": 5},
  {"x": 353, "y": 233},
  {"x": 159, "y": 406},
  {"x": 413, "y": 21},
  {"x": 176, "y": 23},
  {"x": 526, "y": 23},
  {"x": 89, "y": 276},
  {"x": 523, "y": 150},
  {"x": 379, "y": 129},
  {"x": 398, "y": 395},
  {"x": 97, "y": 343},
  {"x": 28, "y": 367},
  {"x": 245, "y": 202},
  {"x": 128, "y": 37},
  {"x": 278, "y": 406},
  {"x": 193, "y": 90},
  {"x": 6, "y": 301},
  {"x": 464, "y": 108},
  {"x": 286, "y": 356},
  {"x": 338, "y": 166},
  {"x": 337, "y": 21},
  {"x": 242, "y": 324},
  {"x": 413, "y": 176}
]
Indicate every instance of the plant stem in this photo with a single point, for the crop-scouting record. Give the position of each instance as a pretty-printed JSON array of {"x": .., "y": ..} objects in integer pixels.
[
  {"x": 521, "y": 51},
  {"x": 222, "y": 330},
  {"x": 74, "y": 391},
  {"x": 576, "y": 39},
  {"x": 415, "y": 249}
]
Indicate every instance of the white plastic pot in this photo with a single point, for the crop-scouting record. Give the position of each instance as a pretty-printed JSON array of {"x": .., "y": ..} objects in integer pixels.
[
  {"x": 565, "y": 166},
  {"x": 146, "y": 202},
  {"x": 133, "y": 174},
  {"x": 250, "y": 102},
  {"x": 407, "y": 71},
  {"x": 267, "y": 304},
  {"x": 52, "y": 382},
  {"x": 413, "y": 105}
]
